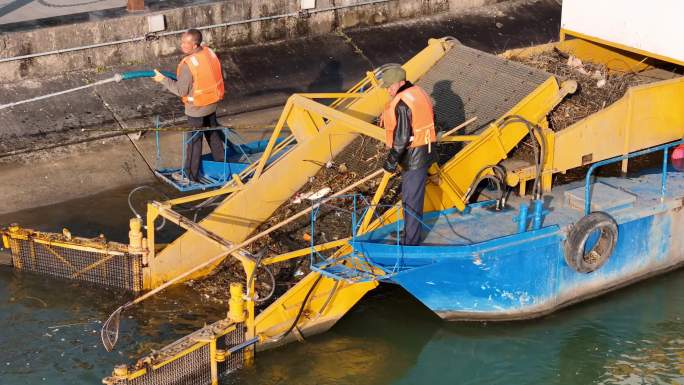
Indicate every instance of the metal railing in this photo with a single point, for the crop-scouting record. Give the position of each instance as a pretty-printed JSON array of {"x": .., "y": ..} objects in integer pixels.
[{"x": 663, "y": 182}]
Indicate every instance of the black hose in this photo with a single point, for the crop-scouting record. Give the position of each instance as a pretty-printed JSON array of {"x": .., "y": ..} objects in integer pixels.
[
  {"x": 130, "y": 204},
  {"x": 499, "y": 178},
  {"x": 301, "y": 309},
  {"x": 498, "y": 170},
  {"x": 259, "y": 256},
  {"x": 492, "y": 178},
  {"x": 273, "y": 286}
]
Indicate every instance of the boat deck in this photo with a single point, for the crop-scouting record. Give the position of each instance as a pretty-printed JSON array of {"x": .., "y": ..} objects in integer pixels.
[{"x": 620, "y": 197}]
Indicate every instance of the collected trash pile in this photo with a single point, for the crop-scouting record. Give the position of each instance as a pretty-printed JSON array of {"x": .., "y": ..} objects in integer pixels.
[{"x": 597, "y": 88}]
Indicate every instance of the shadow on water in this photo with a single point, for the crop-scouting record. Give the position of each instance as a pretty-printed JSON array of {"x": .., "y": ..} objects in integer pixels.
[{"x": 375, "y": 344}]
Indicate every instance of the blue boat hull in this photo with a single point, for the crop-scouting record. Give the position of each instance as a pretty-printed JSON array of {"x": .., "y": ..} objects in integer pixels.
[
  {"x": 525, "y": 275},
  {"x": 532, "y": 279}
]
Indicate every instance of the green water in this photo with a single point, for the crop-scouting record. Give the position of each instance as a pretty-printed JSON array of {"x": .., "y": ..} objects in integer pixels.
[
  {"x": 634, "y": 336},
  {"x": 50, "y": 331}
]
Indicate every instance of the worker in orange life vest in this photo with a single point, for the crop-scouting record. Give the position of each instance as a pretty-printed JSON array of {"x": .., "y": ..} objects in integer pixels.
[
  {"x": 200, "y": 87},
  {"x": 409, "y": 125}
]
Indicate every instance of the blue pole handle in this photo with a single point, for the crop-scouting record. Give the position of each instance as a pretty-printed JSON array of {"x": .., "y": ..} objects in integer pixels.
[{"x": 145, "y": 74}]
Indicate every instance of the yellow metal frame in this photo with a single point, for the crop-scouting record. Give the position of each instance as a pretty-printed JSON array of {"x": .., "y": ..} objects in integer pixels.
[
  {"x": 305, "y": 251},
  {"x": 214, "y": 356},
  {"x": 564, "y": 33},
  {"x": 455, "y": 177},
  {"x": 108, "y": 250},
  {"x": 76, "y": 243},
  {"x": 351, "y": 114},
  {"x": 320, "y": 131},
  {"x": 646, "y": 116}
]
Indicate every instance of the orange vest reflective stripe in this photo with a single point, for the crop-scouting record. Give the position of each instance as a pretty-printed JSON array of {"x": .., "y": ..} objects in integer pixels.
[
  {"x": 207, "y": 78},
  {"x": 422, "y": 117}
]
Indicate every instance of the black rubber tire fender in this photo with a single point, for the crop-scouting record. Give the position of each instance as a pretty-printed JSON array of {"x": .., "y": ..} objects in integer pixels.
[{"x": 578, "y": 236}]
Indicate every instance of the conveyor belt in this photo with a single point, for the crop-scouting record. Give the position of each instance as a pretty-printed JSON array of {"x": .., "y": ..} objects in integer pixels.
[{"x": 467, "y": 82}]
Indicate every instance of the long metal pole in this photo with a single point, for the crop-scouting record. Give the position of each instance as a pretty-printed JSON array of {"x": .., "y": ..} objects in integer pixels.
[{"x": 109, "y": 80}]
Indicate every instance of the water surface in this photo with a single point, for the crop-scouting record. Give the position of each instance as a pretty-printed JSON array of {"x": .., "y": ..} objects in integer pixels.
[{"x": 50, "y": 331}]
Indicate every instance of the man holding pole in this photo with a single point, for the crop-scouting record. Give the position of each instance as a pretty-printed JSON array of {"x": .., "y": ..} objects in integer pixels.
[
  {"x": 200, "y": 87},
  {"x": 409, "y": 125}
]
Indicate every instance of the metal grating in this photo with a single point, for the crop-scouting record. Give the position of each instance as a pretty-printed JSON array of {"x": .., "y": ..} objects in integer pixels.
[
  {"x": 189, "y": 360},
  {"x": 193, "y": 368},
  {"x": 120, "y": 270},
  {"x": 467, "y": 82},
  {"x": 236, "y": 360}
]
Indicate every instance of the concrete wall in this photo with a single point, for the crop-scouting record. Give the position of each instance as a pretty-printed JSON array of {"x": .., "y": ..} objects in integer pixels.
[{"x": 132, "y": 26}]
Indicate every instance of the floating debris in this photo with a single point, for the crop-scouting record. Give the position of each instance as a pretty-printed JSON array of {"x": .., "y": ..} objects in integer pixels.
[{"x": 360, "y": 158}]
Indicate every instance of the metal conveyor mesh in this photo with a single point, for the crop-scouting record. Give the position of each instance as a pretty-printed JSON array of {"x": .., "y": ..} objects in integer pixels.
[
  {"x": 467, "y": 82},
  {"x": 190, "y": 369},
  {"x": 111, "y": 269},
  {"x": 191, "y": 360}
]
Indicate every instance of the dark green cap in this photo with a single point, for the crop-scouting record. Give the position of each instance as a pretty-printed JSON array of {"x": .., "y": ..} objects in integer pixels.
[{"x": 391, "y": 76}]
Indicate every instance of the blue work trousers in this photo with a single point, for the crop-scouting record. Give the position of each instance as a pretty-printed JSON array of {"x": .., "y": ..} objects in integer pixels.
[
  {"x": 413, "y": 197},
  {"x": 193, "y": 150}
]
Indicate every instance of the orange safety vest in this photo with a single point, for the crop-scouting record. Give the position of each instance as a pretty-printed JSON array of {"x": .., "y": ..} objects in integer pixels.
[
  {"x": 422, "y": 117},
  {"x": 207, "y": 78}
]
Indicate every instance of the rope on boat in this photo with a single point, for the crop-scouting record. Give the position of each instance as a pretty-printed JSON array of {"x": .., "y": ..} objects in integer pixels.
[{"x": 116, "y": 78}]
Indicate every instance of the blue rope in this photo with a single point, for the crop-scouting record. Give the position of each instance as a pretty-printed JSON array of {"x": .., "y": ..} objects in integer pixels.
[{"x": 356, "y": 222}]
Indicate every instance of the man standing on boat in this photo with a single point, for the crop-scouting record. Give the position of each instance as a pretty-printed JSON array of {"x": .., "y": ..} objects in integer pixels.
[
  {"x": 409, "y": 125},
  {"x": 200, "y": 87}
]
